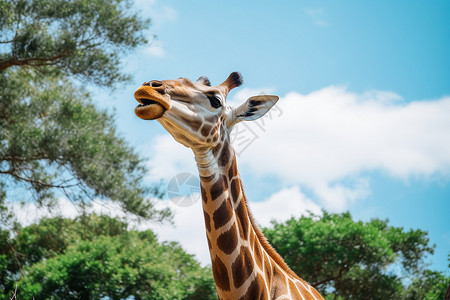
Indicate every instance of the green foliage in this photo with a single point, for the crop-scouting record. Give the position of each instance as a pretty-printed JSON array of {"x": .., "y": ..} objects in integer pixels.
[
  {"x": 430, "y": 285},
  {"x": 52, "y": 138},
  {"x": 97, "y": 256},
  {"x": 345, "y": 259},
  {"x": 53, "y": 141},
  {"x": 76, "y": 37}
]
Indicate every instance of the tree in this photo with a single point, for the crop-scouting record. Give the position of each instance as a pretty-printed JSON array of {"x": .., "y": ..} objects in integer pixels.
[
  {"x": 75, "y": 37},
  {"x": 429, "y": 285},
  {"x": 53, "y": 139},
  {"x": 97, "y": 256},
  {"x": 345, "y": 259},
  {"x": 54, "y": 142}
]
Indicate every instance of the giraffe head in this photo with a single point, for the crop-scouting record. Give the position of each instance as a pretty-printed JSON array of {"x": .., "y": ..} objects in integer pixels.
[{"x": 196, "y": 114}]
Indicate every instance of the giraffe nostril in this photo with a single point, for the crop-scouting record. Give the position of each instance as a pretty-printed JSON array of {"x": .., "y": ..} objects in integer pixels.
[{"x": 156, "y": 83}]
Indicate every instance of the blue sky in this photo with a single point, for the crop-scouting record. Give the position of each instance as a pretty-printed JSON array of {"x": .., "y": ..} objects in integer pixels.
[{"x": 364, "y": 90}]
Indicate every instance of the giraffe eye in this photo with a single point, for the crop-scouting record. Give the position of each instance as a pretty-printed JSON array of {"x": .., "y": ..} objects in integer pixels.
[{"x": 214, "y": 100}]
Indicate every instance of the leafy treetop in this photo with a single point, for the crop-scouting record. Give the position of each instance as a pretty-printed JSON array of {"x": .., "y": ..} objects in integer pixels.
[
  {"x": 76, "y": 37},
  {"x": 346, "y": 259},
  {"x": 54, "y": 142},
  {"x": 94, "y": 257}
]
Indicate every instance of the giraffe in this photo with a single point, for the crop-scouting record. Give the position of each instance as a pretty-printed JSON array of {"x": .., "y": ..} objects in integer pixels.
[{"x": 244, "y": 264}]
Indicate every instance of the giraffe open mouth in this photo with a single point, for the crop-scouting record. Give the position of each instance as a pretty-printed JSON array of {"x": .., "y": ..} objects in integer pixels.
[
  {"x": 149, "y": 109},
  {"x": 145, "y": 102},
  {"x": 152, "y": 104}
]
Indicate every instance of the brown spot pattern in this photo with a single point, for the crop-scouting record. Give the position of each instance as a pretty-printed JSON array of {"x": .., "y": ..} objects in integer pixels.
[
  {"x": 222, "y": 215},
  {"x": 256, "y": 290},
  {"x": 211, "y": 119},
  {"x": 225, "y": 182},
  {"x": 206, "y": 129},
  {"x": 258, "y": 255},
  {"x": 267, "y": 268},
  {"x": 220, "y": 274},
  {"x": 252, "y": 237},
  {"x": 215, "y": 130},
  {"x": 242, "y": 267},
  {"x": 216, "y": 150},
  {"x": 193, "y": 123},
  {"x": 224, "y": 157},
  {"x": 228, "y": 240},
  {"x": 207, "y": 221},
  {"x": 217, "y": 188},
  {"x": 242, "y": 221},
  {"x": 233, "y": 169},
  {"x": 235, "y": 189}
]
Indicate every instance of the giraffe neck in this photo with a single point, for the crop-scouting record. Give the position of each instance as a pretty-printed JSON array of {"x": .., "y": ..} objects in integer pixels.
[{"x": 244, "y": 265}]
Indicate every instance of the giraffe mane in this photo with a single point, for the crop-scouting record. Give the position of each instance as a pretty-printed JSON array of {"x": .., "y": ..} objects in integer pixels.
[{"x": 265, "y": 243}]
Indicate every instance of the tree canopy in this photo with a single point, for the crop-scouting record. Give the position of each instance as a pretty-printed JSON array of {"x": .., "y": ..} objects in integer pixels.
[
  {"x": 75, "y": 37},
  {"x": 53, "y": 139},
  {"x": 345, "y": 259},
  {"x": 93, "y": 257},
  {"x": 54, "y": 142}
]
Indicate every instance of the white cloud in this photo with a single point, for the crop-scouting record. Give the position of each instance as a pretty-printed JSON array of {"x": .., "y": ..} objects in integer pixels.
[
  {"x": 155, "y": 49},
  {"x": 188, "y": 229},
  {"x": 169, "y": 158},
  {"x": 282, "y": 205},
  {"x": 333, "y": 134},
  {"x": 30, "y": 213},
  {"x": 336, "y": 197},
  {"x": 243, "y": 94}
]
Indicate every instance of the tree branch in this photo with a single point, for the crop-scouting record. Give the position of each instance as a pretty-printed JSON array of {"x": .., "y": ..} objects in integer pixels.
[
  {"x": 32, "y": 61},
  {"x": 317, "y": 283},
  {"x": 38, "y": 182},
  {"x": 339, "y": 275}
]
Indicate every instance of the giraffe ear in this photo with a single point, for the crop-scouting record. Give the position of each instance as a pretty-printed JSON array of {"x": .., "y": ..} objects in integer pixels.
[{"x": 254, "y": 108}]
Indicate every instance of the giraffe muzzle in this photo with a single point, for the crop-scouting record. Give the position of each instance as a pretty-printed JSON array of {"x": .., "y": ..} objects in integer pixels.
[{"x": 152, "y": 103}]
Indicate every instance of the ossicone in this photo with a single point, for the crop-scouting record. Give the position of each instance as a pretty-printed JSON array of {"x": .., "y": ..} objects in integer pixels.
[
  {"x": 234, "y": 80},
  {"x": 204, "y": 80}
]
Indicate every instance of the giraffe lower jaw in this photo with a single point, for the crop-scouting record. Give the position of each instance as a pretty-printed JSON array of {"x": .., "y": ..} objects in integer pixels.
[{"x": 149, "y": 109}]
